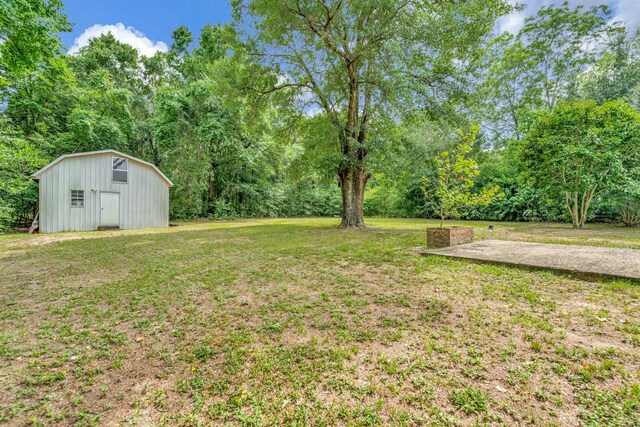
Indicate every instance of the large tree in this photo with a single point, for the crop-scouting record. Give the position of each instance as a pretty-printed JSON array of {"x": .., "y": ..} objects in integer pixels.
[
  {"x": 354, "y": 61},
  {"x": 582, "y": 149}
]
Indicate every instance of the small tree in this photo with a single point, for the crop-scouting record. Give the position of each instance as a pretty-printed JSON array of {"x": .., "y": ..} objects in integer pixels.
[
  {"x": 630, "y": 214},
  {"x": 629, "y": 205},
  {"x": 456, "y": 175},
  {"x": 582, "y": 149}
]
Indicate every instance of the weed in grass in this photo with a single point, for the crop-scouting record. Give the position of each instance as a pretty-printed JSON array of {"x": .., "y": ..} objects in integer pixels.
[
  {"x": 612, "y": 408},
  {"x": 471, "y": 401}
]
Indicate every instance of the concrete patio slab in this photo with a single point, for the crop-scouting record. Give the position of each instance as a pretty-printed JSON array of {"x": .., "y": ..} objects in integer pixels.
[{"x": 584, "y": 261}]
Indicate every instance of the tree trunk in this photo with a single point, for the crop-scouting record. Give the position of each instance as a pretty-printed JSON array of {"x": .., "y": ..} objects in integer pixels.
[
  {"x": 352, "y": 183},
  {"x": 578, "y": 206},
  {"x": 574, "y": 213},
  {"x": 630, "y": 216}
]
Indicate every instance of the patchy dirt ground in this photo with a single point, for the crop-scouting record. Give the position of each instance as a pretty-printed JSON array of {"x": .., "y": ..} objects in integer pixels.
[{"x": 292, "y": 322}]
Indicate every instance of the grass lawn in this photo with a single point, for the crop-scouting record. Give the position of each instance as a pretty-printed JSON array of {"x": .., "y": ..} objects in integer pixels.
[{"x": 293, "y": 322}]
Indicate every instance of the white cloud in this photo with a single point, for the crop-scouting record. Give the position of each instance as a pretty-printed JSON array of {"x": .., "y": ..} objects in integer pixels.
[
  {"x": 128, "y": 35},
  {"x": 627, "y": 11},
  {"x": 511, "y": 23}
]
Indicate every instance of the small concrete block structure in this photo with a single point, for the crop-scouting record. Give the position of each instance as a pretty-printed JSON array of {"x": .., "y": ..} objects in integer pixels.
[
  {"x": 442, "y": 237},
  {"x": 101, "y": 189}
]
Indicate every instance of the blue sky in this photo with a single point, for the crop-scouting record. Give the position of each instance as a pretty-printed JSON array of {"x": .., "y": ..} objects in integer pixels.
[
  {"x": 147, "y": 24},
  {"x": 627, "y": 11},
  {"x": 153, "y": 19}
]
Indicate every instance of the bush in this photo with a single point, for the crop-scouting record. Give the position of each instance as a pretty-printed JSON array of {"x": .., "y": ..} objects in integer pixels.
[
  {"x": 19, "y": 158},
  {"x": 6, "y": 216},
  {"x": 222, "y": 209},
  {"x": 630, "y": 214},
  {"x": 523, "y": 203},
  {"x": 309, "y": 198}
]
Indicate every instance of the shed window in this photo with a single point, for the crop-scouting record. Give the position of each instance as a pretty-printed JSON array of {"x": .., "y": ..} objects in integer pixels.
[
  {"x": 120, "y": 169},
  {"x": 77, "y": 198}
]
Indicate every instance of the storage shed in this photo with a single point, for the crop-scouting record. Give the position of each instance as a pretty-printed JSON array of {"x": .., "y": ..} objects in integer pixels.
[{"x": 101, "y": 189}]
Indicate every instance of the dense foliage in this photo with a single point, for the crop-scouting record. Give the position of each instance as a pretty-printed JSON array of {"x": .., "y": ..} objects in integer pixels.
[{"x": 326, "y": 107}]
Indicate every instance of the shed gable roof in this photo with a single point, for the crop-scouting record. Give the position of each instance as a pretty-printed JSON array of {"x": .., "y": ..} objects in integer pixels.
[{"x": 37, "y": 175}]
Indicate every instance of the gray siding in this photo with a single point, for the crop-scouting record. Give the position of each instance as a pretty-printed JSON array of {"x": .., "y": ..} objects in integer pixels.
[{"x": 144, "y": 200}]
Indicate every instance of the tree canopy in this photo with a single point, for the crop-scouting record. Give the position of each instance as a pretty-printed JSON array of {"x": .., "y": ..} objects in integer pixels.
[
  {"x": 336, "y": 108},
  {"x": 28, "y": 36}
]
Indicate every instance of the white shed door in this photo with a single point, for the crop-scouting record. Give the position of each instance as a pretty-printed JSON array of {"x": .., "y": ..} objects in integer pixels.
[{"x": 110, "y": 209}]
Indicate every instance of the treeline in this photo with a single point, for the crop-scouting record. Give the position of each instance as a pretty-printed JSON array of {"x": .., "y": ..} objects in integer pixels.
[
  {"x": 207, "y": 114},
  {"x": 564, "y": 61},
  {"x": 229, "y": 150}
]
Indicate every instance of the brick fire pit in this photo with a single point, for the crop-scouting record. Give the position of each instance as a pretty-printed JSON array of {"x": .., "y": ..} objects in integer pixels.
[{"x": 449, "y": 236}]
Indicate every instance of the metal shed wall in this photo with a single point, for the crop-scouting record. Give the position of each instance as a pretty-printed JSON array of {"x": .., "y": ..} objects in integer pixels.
[{"x": 144, "y": 199}]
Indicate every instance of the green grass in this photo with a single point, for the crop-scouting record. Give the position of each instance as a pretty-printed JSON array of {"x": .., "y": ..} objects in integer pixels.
[{"x": 293, "y": 322}]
